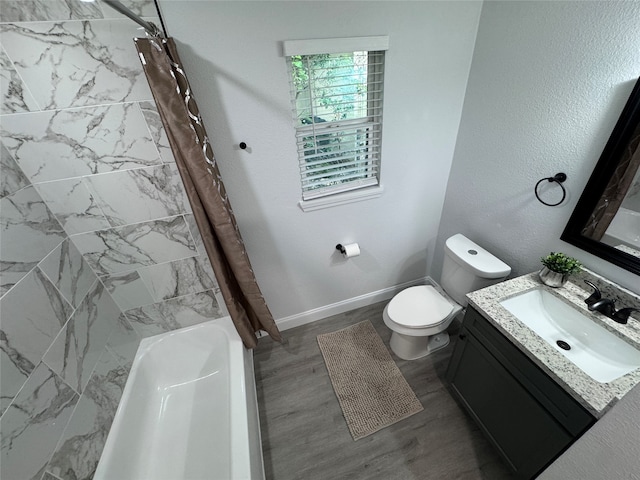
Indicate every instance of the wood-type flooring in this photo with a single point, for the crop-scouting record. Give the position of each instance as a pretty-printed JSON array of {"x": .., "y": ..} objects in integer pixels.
[{"x": 305, "y": 437}]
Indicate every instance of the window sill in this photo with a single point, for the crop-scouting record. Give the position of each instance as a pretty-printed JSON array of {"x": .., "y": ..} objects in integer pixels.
[{"x": 341, "y": 198}]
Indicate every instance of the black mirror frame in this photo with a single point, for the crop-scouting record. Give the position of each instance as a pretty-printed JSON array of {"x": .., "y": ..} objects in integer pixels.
[{"x": 602, "y": 173}]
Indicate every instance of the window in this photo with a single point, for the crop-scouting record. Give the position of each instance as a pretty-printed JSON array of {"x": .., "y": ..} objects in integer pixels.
[{"x": 336, "y": 90}]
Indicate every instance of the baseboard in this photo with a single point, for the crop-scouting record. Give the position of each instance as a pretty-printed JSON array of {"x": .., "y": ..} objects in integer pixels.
[{"x": 345, "y": 305}]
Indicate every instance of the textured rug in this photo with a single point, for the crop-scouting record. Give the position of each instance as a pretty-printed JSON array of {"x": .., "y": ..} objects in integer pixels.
[{"x": 371, "y": 390}]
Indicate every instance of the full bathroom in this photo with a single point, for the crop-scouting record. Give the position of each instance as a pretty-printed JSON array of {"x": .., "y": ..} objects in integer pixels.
[{"x": 101, "y": 249}]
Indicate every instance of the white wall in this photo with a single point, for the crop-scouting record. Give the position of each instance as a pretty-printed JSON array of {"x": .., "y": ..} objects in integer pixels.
[
  {"x": 232, "y": 54},
  {"x": 547, "y": 84}
]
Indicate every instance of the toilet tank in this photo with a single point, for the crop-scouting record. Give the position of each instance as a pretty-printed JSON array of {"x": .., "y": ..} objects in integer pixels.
[{"x": 469, "y": 267}]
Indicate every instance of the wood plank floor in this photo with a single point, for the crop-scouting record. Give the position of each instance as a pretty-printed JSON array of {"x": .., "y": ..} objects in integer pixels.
[{"x": 305, "y": 437}]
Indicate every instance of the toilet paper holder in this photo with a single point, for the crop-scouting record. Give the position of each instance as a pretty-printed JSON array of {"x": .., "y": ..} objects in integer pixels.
[{"x": 349, "y": 250}]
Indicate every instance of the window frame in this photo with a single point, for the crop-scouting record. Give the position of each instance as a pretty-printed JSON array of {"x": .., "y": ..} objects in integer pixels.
[{"x": 359, "y": 188}]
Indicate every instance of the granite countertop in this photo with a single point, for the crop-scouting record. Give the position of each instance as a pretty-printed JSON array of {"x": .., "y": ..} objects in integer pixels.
[{"x": 596, "y": 397}]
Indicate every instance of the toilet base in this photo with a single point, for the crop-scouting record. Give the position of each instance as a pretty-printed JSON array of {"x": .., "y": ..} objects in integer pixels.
[{"x": 411, "y": 348}]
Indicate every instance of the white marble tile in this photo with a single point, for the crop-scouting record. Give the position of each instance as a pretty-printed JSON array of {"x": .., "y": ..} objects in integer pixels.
[
  {"x": 36, "y": 10},
  {"x": 11, "y": 177},
  {"x": 224, "y": 311},
  {"x": 140, "y": 195},
  {"x": 128, "y": 290},
  {"x": 193, "y": 227},
  {"x": 174, "y": 279},
  {"x": 203, "y": 258},
  {"x": 69, "y": 272},
  {"x": 144, "y": 8},
  {"x": 33, "y": 313},
  {"x": 128, "y": 248},
  {"x": 32, "y": 425},
  {"x": 80, "y": 447},
  {"x": 175, "y": 313},
  {"x": 124, "y": 342},
  {"x": 11, "y": 274},
  {"x": 72, "y": 64},
  {"x": 205, "y": 263},
  {"x": 12, "y": 375},
  {"x": 16, "y": 97},
  {"x": 158, "y": 133},
  {"x": 77, "y": 348},
  {"x": 73, "y": 205},
  {"x": 76, "y": 142},
  {"x": 29, "y": 232}
]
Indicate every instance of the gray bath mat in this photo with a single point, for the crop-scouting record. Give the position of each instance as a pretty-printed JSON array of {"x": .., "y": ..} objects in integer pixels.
[{"x": 371, "y": 390}]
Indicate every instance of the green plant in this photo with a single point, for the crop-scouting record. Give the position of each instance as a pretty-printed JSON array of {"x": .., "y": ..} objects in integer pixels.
[{"x": 561, "y": 263}]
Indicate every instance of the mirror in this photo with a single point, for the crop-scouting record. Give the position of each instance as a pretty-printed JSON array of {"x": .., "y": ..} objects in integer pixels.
[{"x": 606, "y": 220}]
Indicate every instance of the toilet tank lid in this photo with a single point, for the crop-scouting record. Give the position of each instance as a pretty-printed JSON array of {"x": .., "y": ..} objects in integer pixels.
[{"x": 482, "y": 263}]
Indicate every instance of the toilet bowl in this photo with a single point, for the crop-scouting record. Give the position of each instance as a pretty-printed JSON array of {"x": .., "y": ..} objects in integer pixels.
[
  {"x": 415, "y": 313},
  {"x": 419, "y": 316}
]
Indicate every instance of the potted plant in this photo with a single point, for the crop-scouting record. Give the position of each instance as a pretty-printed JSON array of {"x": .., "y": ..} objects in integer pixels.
[{"x": 557, "y": 267}]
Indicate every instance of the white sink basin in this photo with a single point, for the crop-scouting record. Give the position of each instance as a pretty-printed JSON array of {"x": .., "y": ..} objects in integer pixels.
[{"x": 599, "y": 353}]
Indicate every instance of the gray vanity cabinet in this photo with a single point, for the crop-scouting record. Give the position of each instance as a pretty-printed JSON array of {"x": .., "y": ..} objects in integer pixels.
[{"x": 525, "y": 414}]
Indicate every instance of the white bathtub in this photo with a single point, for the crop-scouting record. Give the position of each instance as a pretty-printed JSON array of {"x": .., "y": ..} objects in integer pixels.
[
  {"x": 188, "y": 410},
  {"x": 624, "y": 229}
]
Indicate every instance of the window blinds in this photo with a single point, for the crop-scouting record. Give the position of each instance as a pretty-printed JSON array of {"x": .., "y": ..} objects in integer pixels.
[{"x": 337, "y": 101}]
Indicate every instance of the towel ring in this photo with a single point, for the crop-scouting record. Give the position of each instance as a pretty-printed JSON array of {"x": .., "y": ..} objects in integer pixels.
[{"x": 558, "y": 178}]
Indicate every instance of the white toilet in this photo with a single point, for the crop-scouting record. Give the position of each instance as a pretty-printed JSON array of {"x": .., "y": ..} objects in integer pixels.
[{"x": 418, "y": 316}]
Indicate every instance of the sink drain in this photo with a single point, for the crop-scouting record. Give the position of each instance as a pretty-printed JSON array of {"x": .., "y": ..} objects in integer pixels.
[{"x": 563, "y": 345}]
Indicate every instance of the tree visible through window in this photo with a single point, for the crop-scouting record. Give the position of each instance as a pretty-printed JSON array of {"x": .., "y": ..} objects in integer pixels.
[{"x": 338, "y": 113}]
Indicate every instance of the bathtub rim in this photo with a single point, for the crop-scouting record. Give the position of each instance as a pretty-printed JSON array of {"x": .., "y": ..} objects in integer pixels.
[{"x": 246, "y": 439}]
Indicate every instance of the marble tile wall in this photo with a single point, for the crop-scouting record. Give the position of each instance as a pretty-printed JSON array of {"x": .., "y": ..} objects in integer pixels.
[{"x": 98, "y": 246}]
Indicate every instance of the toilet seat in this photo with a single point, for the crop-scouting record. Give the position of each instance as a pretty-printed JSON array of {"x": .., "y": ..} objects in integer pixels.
[{"x": 419, "y": 307}]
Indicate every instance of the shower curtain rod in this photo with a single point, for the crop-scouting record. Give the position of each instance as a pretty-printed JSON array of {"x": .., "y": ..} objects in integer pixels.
[{"x": 148, "y": 26}]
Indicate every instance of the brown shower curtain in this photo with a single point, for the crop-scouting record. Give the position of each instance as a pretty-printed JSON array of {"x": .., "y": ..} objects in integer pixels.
[{"x": 206, "y": 192}]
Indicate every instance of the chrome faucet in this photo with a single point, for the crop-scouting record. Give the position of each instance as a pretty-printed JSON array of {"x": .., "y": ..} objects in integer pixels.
[{"x": 606, "y": 306}]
